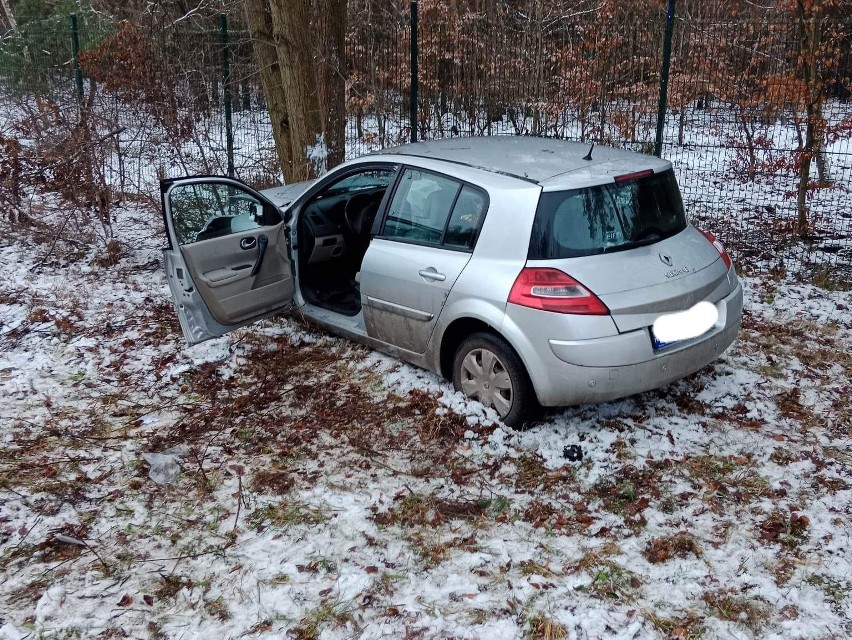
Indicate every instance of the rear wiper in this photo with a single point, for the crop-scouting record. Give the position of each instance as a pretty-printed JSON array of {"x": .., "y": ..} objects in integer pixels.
[{"x": 650, "y": 239}]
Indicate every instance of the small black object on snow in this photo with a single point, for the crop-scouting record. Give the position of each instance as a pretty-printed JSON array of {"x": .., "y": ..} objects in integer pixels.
[{"x": 573, "y": 452}]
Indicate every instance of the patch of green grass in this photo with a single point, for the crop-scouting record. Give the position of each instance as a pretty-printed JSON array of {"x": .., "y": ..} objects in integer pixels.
[
  {"x": 415, "y": 510},
  {"x": 775, "y": 371},
  {"x": 495, "y": 506},
  {"x": 287, "y": 513},
  {"x": 321, "y": 562},
  {"x": 751, "y": 612},
  {"x": 834, "y": 591},
  {"x": 611, "y": 581}
]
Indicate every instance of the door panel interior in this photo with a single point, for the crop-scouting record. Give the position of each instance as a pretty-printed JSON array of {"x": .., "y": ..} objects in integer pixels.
[
  {"x": 228, "y": 261},
  {"x": 222, "y": 270}
]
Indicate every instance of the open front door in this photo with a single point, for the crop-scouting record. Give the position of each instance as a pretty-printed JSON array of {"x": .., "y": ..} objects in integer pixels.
[{"x": 227, "y": 261}]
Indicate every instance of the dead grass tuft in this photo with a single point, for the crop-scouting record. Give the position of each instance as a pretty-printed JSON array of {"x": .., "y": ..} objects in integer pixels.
[
  {"x": 285, "y": 514},
  {"x": 532, "y": 473},
  {"x": 415, "y": 510},
  {"x": 171, "y": 585},
  {"x": 788, "y": 529},
  {"x": 725, "y": 605},
  {"x": 328, "y": 614},
  {"x": 678, "y": 545},
  {"x": 728, "y": 481},
  {"x": 688, "y": 627},
  {"x": 543, "y": 628},
  {"x": 273, "y": 481},
  {"x": 218, "y": 609}
]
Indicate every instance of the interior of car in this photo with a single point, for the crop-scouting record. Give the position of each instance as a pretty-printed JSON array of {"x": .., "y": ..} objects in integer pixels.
[{"x": 334, "y": 233}]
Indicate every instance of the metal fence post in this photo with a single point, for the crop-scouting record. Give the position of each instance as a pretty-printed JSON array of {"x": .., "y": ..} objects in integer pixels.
[
  {"x": 414, "y": 81},
  {"x": 226, "y": 86},
  {"x": 664, "y": 78},
  {"x": 75, "y": 52}
]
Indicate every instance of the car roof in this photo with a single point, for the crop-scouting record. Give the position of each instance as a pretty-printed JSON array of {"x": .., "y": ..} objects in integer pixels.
[{"x": 553, "y": 164}]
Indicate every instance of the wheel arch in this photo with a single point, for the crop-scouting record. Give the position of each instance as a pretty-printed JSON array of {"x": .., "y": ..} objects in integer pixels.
[{"x": 455, "y": 334}]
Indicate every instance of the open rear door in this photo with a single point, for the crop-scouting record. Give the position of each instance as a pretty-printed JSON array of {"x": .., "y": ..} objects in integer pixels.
[{"x": 227, "y": 262}]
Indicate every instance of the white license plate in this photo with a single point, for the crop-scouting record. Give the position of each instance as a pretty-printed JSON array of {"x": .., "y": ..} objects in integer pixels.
[{"x": 684, "y": 325}]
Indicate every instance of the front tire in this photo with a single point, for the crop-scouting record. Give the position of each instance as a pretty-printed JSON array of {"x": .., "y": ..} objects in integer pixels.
[{"x": 487, "y": 369}]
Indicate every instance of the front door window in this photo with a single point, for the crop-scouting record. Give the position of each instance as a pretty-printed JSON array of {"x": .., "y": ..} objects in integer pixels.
[{"x": 203, "y": 211}]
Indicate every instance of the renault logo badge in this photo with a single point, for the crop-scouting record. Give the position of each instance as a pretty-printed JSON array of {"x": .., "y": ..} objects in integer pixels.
[{"x": 667, "y": 260}]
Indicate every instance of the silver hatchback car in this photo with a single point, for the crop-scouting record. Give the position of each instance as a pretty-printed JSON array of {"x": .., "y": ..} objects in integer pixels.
[{"x": 530, "y": 272}]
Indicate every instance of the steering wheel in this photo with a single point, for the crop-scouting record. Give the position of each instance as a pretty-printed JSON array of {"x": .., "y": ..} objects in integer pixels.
[{"x": 356, "y": 215}]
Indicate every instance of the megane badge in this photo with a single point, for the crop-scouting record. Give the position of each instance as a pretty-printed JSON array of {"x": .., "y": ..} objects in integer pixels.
[{"x": 667, "y": 260}]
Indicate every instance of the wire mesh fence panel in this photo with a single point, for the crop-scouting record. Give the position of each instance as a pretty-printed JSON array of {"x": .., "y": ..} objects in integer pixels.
[
  {"x": 758, "y": 120},
  {"x": 737, "y": 132},
  {"x": 378, "y": 52},
  {"x": 740, "y": 105},
  {"x": 540, "y": 69}
]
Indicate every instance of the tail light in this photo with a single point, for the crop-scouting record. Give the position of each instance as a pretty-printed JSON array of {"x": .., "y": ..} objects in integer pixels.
[
  {"x": 719, "y": 247},
  {"x": 553, "y": 290}
]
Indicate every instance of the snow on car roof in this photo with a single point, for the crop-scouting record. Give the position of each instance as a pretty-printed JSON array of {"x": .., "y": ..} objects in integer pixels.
[{"x": 545, "y": 161}]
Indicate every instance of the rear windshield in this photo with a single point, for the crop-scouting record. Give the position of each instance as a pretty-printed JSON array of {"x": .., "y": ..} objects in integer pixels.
[{"x": 610, "y": 217}]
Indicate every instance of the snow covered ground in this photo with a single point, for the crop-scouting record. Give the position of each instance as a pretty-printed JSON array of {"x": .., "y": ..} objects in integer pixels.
[{"x": 327, "y": 491}]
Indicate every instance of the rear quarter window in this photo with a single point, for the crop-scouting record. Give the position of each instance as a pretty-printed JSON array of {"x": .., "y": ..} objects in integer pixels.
[{"x": 604, "y": 218}]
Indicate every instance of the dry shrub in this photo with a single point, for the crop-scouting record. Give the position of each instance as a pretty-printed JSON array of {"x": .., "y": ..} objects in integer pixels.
[
  {"x": 59, "y": 151},
  {"x": 127, "y": 65}
]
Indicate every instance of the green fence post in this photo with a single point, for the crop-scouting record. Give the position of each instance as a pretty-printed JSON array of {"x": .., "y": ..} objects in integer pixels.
[
  {"x": 664, "y": 78},
  {"x": 226, "y": 82},
  {"x": 75, "y": 52},
  {"x": 414, "y": 81}
]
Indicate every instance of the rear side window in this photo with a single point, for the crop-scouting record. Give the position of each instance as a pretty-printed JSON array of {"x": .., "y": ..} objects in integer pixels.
[
  {"x": 466, "y": 218},
  {"x": 610, "y": 217},
  {"x": 432, "y": 209}
]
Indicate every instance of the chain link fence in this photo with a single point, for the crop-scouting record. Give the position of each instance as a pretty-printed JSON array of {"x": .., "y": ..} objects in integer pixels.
[{"x": 152, "y": 102}]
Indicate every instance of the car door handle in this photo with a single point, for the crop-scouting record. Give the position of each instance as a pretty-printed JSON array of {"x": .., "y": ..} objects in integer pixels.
[
  {"x": 432, "y": 274},
  {"x": 248, "y": 243}
]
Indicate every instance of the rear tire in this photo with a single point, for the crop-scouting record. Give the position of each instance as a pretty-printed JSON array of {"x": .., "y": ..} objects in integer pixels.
[{"x": 487, "y": 369}]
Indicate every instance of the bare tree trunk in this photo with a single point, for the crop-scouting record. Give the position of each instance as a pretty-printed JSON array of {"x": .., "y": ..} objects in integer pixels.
[
  {"x": 331, "y": 68},
  {"x": 748, "y": 131},
  {"x": 291, "y": 30},
  {"x": 258, "y": 20},
  {"x": 810, "y": 32},
  {"x": 805, "y": 178},
  {"x": 819, "y": 145}
]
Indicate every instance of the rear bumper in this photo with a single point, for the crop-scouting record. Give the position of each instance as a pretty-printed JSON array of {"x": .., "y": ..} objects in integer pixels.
[{"x": 567, "y": 372}]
